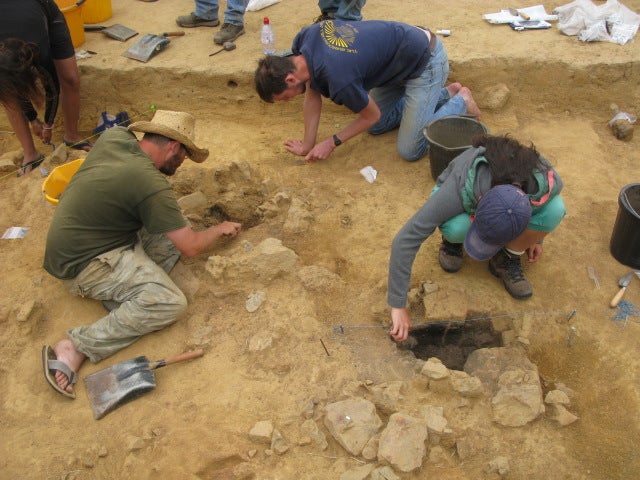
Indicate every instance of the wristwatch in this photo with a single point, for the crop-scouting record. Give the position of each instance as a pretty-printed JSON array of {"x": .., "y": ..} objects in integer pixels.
[{"x": 336, "y": 141}]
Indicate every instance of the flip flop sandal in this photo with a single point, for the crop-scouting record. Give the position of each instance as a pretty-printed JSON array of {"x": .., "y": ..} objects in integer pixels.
[
  {"x": 50, "y": 364},
  {"x": 81, "y": 145},
  {"x": 32, "y": 165}
]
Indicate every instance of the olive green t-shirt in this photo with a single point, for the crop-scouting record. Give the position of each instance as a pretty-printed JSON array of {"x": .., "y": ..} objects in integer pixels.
[{"x": 115, "y": 192}]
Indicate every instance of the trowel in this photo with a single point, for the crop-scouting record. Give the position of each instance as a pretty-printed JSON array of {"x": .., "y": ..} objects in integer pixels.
[
  {"x": 117, "y": 31},
  {"x": 149, "y": 45},
  {"x": 623, "y": 283}
]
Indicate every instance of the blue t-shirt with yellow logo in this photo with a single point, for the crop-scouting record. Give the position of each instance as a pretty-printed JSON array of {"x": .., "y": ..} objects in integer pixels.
[{"x": 347, "y": 59}]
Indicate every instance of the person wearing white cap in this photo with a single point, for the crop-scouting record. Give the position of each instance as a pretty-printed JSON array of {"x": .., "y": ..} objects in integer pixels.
[
  {"x": 499, "y": 199},
  {"x": 116, "y": 234}
]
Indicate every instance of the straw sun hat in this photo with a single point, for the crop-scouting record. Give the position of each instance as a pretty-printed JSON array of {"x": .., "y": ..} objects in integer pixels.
[{"x": 178, "y": 126}]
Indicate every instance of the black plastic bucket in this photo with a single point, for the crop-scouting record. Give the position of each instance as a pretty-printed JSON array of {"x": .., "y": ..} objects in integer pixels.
[
  {"x": 625, "y": 239},
  {"x": 449, "y": 137}
]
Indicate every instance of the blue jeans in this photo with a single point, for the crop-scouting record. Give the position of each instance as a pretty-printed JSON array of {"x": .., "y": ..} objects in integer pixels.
[
  {"x": 415, "y": 104},
  {"x": 234, "y": 14},
  {"x": 343, "y": 9}
]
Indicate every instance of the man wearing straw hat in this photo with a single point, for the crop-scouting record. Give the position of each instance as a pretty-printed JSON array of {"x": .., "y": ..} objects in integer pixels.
[{"x": 117, "y": 233}]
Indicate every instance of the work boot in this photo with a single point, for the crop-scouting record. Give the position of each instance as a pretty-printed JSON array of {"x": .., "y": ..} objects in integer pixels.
[
  {"x": 450, "y": 256},
  {"x": 192, "y": 20},
  {"x": 507, "y": 266},
  {"x": 228, "y": 33}
]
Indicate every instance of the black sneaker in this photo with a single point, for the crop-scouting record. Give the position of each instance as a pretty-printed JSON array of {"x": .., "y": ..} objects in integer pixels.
[
  {"x": 507, "y": 267},
  {"x": 228, "y": 33},
  {"x": 450, "y": 256}
]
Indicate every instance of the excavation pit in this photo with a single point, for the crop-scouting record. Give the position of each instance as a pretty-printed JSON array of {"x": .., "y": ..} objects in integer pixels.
[{"x": 453, "y": 342}]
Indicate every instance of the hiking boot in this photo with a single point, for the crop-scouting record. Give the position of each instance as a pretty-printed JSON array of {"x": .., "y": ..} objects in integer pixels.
[
  {"x": 228, "y": 33},
  {"x": 450, "y": 256},
  {"x": 507, "y": 266},
  {"x": 192, "y": 20}
]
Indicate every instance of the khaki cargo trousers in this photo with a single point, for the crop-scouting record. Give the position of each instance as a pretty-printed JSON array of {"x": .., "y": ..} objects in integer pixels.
[{"x": 136, "y": 277}]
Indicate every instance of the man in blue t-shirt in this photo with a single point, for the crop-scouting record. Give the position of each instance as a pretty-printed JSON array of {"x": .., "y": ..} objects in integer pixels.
[{"x": 391, "y": 74}]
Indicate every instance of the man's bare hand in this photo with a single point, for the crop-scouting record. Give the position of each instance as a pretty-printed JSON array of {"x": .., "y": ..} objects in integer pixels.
[
  {"x": 321, "y": 151},
  {"x": 296, "y": 147},
  {"x": 229, "y": 229}
]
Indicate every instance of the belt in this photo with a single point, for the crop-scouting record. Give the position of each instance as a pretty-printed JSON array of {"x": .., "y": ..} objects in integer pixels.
[{"x": 433, "y": 40}]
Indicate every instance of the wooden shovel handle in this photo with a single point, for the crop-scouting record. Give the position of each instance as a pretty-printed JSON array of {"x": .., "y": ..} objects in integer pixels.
[
  {"x": 616, "y": 300},
  {"x": 178, "y": 358}
]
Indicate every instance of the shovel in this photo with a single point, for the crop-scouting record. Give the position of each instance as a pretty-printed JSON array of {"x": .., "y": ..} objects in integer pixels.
[
  {"x": 114, "y": 386},
  {"x": 623, "y": 283}
]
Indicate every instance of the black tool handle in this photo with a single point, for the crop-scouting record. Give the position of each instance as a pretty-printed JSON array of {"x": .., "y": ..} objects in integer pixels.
[{"x": 178, "y": 358}]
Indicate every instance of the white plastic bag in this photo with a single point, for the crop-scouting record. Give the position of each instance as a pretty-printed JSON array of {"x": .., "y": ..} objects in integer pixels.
[
  {"x": 611, "y": 21},
  {"x": 255, "y": 5}
]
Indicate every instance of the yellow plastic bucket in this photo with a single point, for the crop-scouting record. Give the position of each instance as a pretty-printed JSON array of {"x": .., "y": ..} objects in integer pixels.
[
  {"x": 96, "y": 11},
  {"x": 72, "y": 11},
  {"x": 58, "y": 179}
]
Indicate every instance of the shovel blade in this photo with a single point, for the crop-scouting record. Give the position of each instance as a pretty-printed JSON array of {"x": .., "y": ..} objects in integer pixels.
[{"x": 114, "y": 386}]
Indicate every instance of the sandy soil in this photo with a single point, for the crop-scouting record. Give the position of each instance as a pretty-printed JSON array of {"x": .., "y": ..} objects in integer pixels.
[{"x": 195, "y": 424}]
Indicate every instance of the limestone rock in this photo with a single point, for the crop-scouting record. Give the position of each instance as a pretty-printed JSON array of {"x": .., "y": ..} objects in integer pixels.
[
  {"x": 561, "y": 415},
  {"x": 557, "y": 397},
  {"x": 193, "y": 203},
  {"x": 402, "y": 442},
  {"x": 487, "y": 364},
  {"x": 264, "y": 262},
  {"x": 519, "y": 398},
  {"x": 278, "y": 443},
  {"x": 310, "y": 429},
  {"x": 384, "y": 473},
  {"x": 352, "y": 423},
  {"x": 499, "y": 465},
  {"x": 254, "y": 300},
  {"x": 370, "y": 450},
  {"x": 495, "y": 97},
  {"x": 357, "y": 473},
  {"x": 387, "y": 396},
  {"x": 452, "y": 305},
  {"x": 262, "y": 431},
  {"x": 319, "y": 279},
  {"x": 298, "y": 218},
  {"x": 260, "y": 341},
  {"x": 465, "y": 384},
  {"x": 435, "y": 369}
]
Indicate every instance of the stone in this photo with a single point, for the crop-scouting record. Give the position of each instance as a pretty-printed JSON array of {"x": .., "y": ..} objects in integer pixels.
[
  {"x": 352, "y": 422},
  {"x": 255, "y": 300},
  {"x": 557, "y": 397},
  {"x": 494, "y": 97},
  {"x": 465, "y": 384},
  {"x": 435, "y": 369},
  {"x": 387, "y": 396},
  {"x": 370, "y": 450},
  {"x": 278, "y": 443},
  {"x": 260, "y": 341},
  {"x": 561, "y": 415},
  {"x": 310, "y": 429},
  {"x": 384, "y": 473},
  {"x": 261, "y": 432},
  {"x": 298, "y": 218},
  {"x": 193, "y": 203},
  {"x": 358, "y": 473},
  {"x": 519, "y": 398},
  {"x": 135, "y": 443},
  {"x": 487, "y": 364},
  {"x": 319, "y": 279},
  {"x": 402, "y": 442},
  {"x": 499, "y": 465}
]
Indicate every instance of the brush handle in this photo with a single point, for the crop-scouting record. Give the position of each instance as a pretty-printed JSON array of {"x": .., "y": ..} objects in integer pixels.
[
  {"x": 178, "y": 358},
  {"x": 179, "y": 33},
  {"x": 616, "y": 300}
]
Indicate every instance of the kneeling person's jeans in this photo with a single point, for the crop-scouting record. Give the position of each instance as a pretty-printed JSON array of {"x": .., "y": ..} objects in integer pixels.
[{"x": 136, "y": 277}]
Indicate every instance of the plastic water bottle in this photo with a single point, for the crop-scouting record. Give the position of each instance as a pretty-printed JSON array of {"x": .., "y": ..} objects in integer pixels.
[{"x": 268, "y": 38}]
